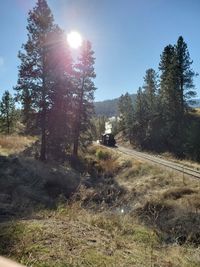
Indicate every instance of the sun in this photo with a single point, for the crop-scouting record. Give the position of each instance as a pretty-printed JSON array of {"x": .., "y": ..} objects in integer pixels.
[{"x": 74, "y": 39}]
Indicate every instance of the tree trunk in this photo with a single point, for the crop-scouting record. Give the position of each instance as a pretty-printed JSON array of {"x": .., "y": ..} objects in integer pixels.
[
  {"x": 43, "y": 119},
  {"x": 43, "y": 139},
  {"x": 77, "y": 134},
  {"x": 8, "y": 123},
  {"x": 78, "y": 123},
  {"x": 182, "y": 98}
]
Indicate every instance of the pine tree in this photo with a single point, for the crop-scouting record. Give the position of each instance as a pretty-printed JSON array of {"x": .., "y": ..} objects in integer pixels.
[
  {"x": 7, "y": 113},
  {"x": 125, "y": 107},
  {"x": 140, "y": 118},
  {"x": 116, "y": 127},
  {"x": 97, "y": 127},
  {"x": 185, "y": 74},
  {"x": 150, "y": 90},
  {"x": 61, "y": 93},
  {"x": 168, "y": 81},
  {"x": 176, "y": 87},
  {"x": 84, "y": 93},
  {"x": 169, "y": 96},
  {"x": 33, "y": 83}
]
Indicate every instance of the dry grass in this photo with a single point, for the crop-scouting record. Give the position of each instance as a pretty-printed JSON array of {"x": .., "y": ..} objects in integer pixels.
[
  {"x": 155, "y": 193},
  {"x": 73, "y": 236},
  {"x": 27, "y": 184},
  {"x": 197, "y": 111},
  {"x": 14, "y": 144},
  {"x": 126, "y": 213},
  {"x": 184, "y": 162}
]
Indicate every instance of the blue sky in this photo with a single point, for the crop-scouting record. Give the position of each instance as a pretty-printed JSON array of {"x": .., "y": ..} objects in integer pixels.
[{"x": 128, "y": 37}]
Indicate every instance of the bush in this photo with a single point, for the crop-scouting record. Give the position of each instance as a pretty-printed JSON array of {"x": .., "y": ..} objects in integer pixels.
[{"x": 102, "y": 155}]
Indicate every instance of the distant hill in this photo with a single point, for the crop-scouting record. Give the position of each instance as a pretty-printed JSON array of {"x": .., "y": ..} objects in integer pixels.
[
  {"x": 196, "y": 103},
  {"x": 109, "y": 108}
]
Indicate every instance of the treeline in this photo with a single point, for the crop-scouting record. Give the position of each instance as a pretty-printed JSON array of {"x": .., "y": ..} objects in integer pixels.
[
  {"x": 161, "y": 118},
  {"x": 55, "y": 93}
]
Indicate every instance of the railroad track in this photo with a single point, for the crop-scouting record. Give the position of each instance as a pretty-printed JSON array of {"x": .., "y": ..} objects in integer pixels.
[{"x": 166, "y": 163}]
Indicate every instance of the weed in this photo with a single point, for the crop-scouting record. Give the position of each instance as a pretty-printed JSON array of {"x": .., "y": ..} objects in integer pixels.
[{"x": 102, "y": 155}]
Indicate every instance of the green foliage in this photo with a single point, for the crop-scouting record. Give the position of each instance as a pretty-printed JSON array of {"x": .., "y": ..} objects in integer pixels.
[
  {"x": 126, "y": 115},
  {"x": 146, "y": 113},
  {"x": 56, "y": 94},
  {"x": 102, "y": 155},
  {"x": 98, "y": 127},
  {"x": 59, "y": 123},
  {"x": 192, "y": 142},
  {"x": 34, "y": 83},
  {"x": 176, "y": 88},
  {"x": 7, "y": 113},
  {"x": 115, "y": 126},
  {"x": 84, "y": 94},
  {"x": 160, "y": 118}
]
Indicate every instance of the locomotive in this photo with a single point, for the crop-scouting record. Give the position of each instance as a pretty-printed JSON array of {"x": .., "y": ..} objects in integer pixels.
[{"x": 108, "y": 139}]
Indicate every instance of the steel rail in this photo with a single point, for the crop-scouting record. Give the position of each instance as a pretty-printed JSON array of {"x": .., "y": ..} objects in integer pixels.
[{"x": 169, "y": 164}]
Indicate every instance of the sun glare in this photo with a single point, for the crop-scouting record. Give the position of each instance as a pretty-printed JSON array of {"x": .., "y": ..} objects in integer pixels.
[{"x": 74, "y": 39}]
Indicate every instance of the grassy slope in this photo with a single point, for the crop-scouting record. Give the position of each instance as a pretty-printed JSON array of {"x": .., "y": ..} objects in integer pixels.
[
  {"x": 166, "y": 155},
  {"x": 14, "y": 144},
  {"x": 126, "y": 213}
]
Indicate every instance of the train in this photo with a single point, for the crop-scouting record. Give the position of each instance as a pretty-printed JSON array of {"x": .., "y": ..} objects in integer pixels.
[{"x": 108, "y": 139}]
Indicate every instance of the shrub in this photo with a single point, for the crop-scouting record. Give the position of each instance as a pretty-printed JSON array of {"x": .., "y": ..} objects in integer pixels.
[{"x": 102, "y": 155}]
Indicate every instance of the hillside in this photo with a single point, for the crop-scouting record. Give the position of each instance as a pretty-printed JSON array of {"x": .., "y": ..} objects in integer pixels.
[
  {"x": 109, "y": 108},
  {"x": 124, "y": 213}
]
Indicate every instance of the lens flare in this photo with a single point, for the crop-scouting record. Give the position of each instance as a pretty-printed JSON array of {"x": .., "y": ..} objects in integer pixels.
[{"x": 74, "y": 39}]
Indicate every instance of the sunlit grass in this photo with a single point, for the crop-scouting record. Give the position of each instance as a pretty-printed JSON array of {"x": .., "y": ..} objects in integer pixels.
[
  {"x": 85, "y": 239},
  {"x": 11, "y": 144},
  {"x": 137, "y": 228}
]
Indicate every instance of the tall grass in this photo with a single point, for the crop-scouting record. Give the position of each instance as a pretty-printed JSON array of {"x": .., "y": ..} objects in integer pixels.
[
  {"x": 142, "y": 226},
  {"x": 11, "y": 144}
]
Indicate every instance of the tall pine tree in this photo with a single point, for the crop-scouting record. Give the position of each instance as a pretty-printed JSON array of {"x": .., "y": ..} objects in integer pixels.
[
  {"x": 140, "y": 118},
  {"x": 169, "y": 97},
  {"x": 125, "y": 106},
  {"x": 176, "y": 88},
  {"x": 185, "y": 74},
  {"x": 150, "y": 92},
  {"x": 84, "y": 93},
  {"x": 61, "y": 94},
  {"x": 34, "y": 84}
]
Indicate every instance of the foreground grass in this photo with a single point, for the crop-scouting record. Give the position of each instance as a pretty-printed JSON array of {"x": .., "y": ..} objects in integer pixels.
[
  {"x": 125, "y": 213},
  {"x": 14, "y": 144},
  {"x": 72, "y": 236}
]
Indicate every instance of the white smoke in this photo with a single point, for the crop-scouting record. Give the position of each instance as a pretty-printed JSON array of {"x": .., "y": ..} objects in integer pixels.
[{"x": 108, "y": 127}]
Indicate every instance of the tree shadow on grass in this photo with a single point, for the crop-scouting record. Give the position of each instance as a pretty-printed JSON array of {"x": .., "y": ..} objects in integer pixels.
[
  {"x": 26, "y": 183},
  {"x": 175, "y": 225}
]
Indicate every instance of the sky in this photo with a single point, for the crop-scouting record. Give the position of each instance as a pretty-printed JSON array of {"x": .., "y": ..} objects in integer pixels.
[{"x": 128, "y": 37}]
